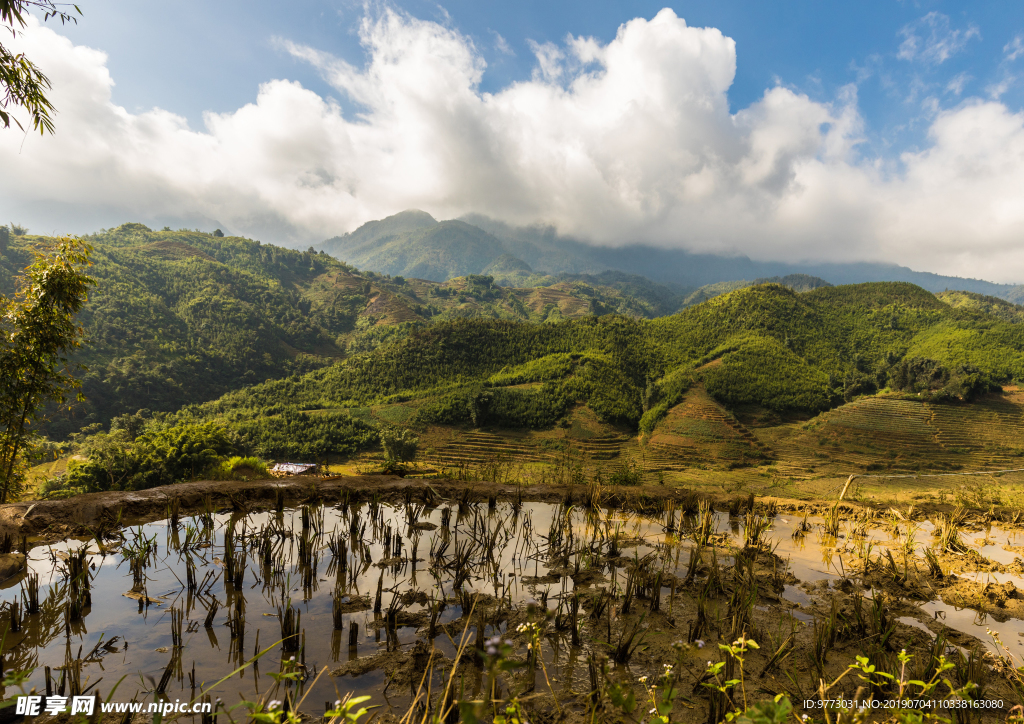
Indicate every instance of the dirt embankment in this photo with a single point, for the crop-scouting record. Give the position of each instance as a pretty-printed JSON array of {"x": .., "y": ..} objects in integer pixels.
[{"x": 47, "y": 521}]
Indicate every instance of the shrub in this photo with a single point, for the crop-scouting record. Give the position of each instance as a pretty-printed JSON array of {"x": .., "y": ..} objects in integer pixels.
[
  {"x": 937, "y": 382},
  {"x": 158, "y": 457},
  {"x": 399, "y": 445},
  {"x": 239, "y": 468},
  {"x": 628, "y": 473}
]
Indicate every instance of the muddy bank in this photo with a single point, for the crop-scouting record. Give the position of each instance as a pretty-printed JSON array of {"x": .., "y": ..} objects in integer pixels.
[
  {"x": 47, "y": 521},
  {"x": 53, "y": 520}
]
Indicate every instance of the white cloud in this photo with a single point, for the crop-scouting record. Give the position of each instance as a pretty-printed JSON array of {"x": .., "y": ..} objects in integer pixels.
[
  {"x": 1007, "y": 77},
  {"x": 1014, "y": 49},
  {"x": 501, "y": 45},
  {"x": 957, "y": 83},
  {"x": 632, "y": 140},
  {"x": 549, "y": 61},
  {"x": 998, "y": 89},
  {"x": 930, "y": 39}
]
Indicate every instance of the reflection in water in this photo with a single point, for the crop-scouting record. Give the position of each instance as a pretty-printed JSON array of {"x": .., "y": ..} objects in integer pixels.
[{"x": 174, "y": 608}]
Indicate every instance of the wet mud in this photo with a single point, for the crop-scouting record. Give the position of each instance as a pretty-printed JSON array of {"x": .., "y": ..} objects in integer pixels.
[{"x": 426, "y": 594}]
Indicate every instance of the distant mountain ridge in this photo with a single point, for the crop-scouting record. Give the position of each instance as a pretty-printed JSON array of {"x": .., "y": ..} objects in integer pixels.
[{"x": 413, "y": 243}]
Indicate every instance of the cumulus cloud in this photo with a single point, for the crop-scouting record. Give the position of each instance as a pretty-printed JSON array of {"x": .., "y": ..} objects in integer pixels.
[{"x": 630, "y": 140}]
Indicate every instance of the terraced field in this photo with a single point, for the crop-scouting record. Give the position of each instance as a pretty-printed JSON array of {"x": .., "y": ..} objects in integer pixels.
[
  {"x": 444, "y": 447},
  {"x": 700, "y": 443},
  {"x": 865, "y": 435},
  {"x": 385, "y": 308},
  {"x": 558, "y": 295},
  {"x": 990, "y": 433},
  {"x": 698, "y": 432},
  {"x": 584, "y": 439},
  {"x": 878, "y": 434}
]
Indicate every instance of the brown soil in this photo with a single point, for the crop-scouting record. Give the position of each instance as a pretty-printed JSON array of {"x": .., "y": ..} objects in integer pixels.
[
  {"x": 402, "y": 667},
  {"x": 47, "y": 521}
]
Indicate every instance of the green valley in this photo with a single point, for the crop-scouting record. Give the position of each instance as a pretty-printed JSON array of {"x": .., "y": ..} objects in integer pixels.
[
  {"x": 180, "y": 317},
  {"x": 252, "y": 349}
]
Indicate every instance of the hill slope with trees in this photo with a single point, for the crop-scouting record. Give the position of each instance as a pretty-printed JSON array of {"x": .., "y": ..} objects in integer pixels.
[
  {"x": 182, "y": 317},
  {"x": 764, "y": 346},
  {"x": 479, "y": 359}
]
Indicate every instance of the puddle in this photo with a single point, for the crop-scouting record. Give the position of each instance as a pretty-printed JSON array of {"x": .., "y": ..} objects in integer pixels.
[
  {"x": 241, "y": 573},
  {"x": 978, "y": 625}
]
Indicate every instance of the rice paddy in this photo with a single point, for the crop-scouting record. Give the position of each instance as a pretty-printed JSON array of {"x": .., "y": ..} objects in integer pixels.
[{"x": 432, "y": 604}]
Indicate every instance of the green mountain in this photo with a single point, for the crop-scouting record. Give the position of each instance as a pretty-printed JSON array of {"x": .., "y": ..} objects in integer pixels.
[
  {"x": 796, "y": 282},
  {"x": 177, "y": 317},
  {"x": 300, "y": 354},
  {"x": 391, "y": 227},
  {"x": 414, "y": 244},
  {"x": 765, "y": 347},
  {"x": 542, "y": 248},
  {"x": 1006, "y": 310},
  {"x": 182, "y": 317},
  {"x": 507, "y": 270}
]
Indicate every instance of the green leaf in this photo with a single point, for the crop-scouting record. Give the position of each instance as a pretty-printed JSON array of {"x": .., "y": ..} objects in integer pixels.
[
  {"x": 767, "y": 712},
  {"x": 622, "y": 697},
  {"x": 468, "y": 709}
]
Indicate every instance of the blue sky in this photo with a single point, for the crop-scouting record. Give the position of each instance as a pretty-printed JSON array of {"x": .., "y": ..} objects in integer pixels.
[
  {"x": 190, "y": 57},
  {"x": 854, "y": 131}
]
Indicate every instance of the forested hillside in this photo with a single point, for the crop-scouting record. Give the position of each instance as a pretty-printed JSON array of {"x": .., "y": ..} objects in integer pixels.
[
  {"x": 182, "y": 317},
  {"x": 177, "y": 317},
  {"x": 764, "y": 346},
  {"x": 297, "y": 354},
  {"x": 189, "y": 323}
]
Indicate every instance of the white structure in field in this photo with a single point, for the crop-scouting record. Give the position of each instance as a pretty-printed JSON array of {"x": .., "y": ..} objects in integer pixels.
[{"x": 293, "y": 468}]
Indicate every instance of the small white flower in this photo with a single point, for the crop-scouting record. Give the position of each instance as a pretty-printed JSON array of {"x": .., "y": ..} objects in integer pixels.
[
  {"x": 273, "y": 705},
  {"x": 700, "y": 643},
  {"x": 643, "y": 679},
  {"x": 652, "y": 711}
]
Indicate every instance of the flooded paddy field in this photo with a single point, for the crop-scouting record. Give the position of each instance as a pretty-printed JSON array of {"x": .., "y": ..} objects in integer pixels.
[{"x": 574, "y": 608}]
